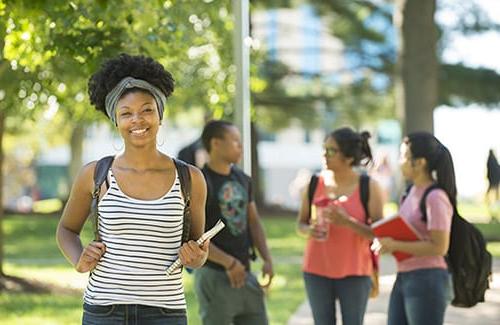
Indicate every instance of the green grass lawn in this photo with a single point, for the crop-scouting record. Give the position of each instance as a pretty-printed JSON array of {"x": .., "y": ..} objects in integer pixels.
[{"x": 31, "y": 252}]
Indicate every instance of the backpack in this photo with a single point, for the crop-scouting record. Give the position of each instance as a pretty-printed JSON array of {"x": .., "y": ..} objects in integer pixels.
[
  {"x": 100, "y": 176},
  {"x": 468, "y": 260}
]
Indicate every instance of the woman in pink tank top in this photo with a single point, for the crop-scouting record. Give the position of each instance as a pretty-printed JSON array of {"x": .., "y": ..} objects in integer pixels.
[
  {"x": 337, "y": 258},
  {"x": 423, "y": 285}
]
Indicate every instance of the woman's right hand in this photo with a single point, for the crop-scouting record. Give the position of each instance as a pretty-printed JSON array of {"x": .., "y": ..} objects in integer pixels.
[
  {"x": 90, "y": 257},
  {"x": 316, "y": 231},
  {"x": 311, "y": 230}
]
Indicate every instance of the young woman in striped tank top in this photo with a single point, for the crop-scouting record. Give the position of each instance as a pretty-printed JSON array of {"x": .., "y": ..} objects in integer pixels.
[{"x": 140, "y": 208}]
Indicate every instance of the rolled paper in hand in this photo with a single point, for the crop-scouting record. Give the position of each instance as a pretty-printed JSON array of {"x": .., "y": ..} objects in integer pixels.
[{"x": 207, "y": 235}]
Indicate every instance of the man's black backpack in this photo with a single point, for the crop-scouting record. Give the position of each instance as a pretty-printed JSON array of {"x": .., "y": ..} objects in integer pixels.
[
  {"x": 468, "y": 260},
  {"x": 100, "y": 176}
]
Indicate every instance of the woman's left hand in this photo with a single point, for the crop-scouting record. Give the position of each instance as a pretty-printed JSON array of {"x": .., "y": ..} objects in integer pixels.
[
  {"x": 192, "y": 255},
  {"x": 387, "y": 244}
]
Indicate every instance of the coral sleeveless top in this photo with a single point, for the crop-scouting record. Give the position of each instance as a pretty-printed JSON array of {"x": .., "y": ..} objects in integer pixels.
[{"x": 344, "y": 253}]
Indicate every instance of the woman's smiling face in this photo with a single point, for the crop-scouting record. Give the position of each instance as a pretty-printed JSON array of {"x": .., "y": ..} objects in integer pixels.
[{"x": 137, "y": 118}]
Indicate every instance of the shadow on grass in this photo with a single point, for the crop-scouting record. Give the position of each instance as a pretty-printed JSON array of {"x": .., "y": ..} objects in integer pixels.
[{"x": 13, "y": 284}]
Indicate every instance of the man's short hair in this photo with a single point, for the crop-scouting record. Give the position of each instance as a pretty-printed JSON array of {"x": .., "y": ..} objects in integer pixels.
[{"x": 214, "y": 129}]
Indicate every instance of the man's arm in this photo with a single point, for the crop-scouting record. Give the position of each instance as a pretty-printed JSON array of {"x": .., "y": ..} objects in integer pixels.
[
  {"x": 235, "y": 270},
  {"x": 259, "y": 240}
]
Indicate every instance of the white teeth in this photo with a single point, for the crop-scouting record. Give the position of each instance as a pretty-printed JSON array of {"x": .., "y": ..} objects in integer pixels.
[{"x": 141, "y": 131}]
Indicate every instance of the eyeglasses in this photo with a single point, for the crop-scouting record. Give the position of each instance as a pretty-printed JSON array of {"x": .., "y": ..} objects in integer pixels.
[{"x": 330, "y": 151}]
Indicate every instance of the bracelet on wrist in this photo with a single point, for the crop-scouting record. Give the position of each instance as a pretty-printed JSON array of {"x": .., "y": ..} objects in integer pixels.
[{"x": 233, "y": 264}]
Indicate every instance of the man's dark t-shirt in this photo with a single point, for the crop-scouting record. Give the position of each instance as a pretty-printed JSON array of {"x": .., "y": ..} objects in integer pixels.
[{"x": 227, "y": 199}]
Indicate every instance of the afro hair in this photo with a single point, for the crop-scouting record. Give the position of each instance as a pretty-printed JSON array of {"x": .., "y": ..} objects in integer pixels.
[{"x": 114, "y": 70}]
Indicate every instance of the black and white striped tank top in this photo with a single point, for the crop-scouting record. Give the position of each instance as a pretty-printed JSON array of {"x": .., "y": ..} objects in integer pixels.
[{"x": 142, "y": 239}]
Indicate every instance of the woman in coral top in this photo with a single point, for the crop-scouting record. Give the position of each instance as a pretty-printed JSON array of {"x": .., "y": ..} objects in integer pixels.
[
  {"x": 338, "y": 264},
  {"x": 423, "y": 285}
]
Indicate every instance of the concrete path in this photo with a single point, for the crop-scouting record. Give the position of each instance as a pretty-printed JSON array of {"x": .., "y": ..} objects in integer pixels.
[{"x": 487, "y": 313}]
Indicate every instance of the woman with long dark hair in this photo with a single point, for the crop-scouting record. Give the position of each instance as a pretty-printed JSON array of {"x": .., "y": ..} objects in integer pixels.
[{"x": 423, "y": 285}]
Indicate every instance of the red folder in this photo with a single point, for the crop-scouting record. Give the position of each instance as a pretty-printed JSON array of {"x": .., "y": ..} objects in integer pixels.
[{"x": 396, "y": 228}]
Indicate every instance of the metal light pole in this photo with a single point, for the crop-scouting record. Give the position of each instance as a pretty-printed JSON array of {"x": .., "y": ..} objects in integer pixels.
[{"x": 241, "y": 44}]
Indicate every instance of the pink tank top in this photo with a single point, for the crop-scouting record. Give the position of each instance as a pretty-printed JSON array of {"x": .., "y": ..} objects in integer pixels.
[{"x": 344, "y": 253}]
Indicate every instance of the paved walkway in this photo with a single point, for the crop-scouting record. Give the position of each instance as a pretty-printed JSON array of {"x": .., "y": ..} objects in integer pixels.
[{"x": 487, "y": 313}]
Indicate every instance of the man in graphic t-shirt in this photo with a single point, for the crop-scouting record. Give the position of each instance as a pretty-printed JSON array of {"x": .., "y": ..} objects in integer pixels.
[{"x": 228, "y": 293}]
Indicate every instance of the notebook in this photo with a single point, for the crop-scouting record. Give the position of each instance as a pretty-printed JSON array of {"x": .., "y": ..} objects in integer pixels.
[{"x": 397, "y": 228}]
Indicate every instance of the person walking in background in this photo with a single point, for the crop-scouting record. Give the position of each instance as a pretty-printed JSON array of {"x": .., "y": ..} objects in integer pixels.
[
  {"x": 493, "y": 175},
  {"x": 383, "y": 173},
  {"x": 194, "y": 154},
  {"x": 338, "y": 264},
  {"x": 140, "y": 208},
  {"x": 423, "y": 285},
  {"x": 228, "y": 293}
]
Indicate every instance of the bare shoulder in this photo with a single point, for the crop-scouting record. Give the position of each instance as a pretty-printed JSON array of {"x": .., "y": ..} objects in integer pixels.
[
  {"x": 194, "y": 170},
  {"x": 374, "y": 184},
  {"x": 77, "y": 208},
  {"x": 196, "y": 174},
  {"x": 85, "y": 178}
]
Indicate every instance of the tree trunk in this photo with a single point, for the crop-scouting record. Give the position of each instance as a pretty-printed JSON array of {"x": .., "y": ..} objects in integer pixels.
[
  {"x": 418, "y": 64},
  {"x": 256, "y": 181},
  {"x": 2, "y": 128},
  {"x": 76, "y": 143}
]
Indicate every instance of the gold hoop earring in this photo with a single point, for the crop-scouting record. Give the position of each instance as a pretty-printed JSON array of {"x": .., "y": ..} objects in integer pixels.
[{"x": 118, "y": 149}]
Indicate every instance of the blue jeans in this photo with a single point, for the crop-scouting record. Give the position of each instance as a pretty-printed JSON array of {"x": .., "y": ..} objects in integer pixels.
[
  {"x": 220, "y": 304},
  {"x": 420, "y": 297},
  {"x": 132, "y": 315},
  {"x": 352, "y": 293}
]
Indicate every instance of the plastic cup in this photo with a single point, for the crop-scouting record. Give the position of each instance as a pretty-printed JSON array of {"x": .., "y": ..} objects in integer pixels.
[{"x": 321, "y": 227}]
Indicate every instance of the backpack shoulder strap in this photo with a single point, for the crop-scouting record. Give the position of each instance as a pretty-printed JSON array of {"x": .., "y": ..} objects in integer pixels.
[
  {"x": 405, "y": 194},
  {"x": 101, "y": 170},
  {"x": 313, "y": 183},
  {"x": 185, "y": 180},
  {"x": 100, "y": 174},
  {"x": 422, "y": 206},
  {"x": 364, "y": 191}
]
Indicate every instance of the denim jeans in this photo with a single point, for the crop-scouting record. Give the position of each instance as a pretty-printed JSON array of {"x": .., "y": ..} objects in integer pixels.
[
  {"x": 132, "y": 315},
  {"x": 420, "y": 297},
  {"x": 220, "y": 304},
  {"x": 352, "y": 293}
]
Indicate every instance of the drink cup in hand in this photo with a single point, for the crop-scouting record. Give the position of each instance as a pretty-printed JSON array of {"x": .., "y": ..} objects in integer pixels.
[
  {"x": 320, "y": 224},
  {"x": 320, "y": 228}
]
